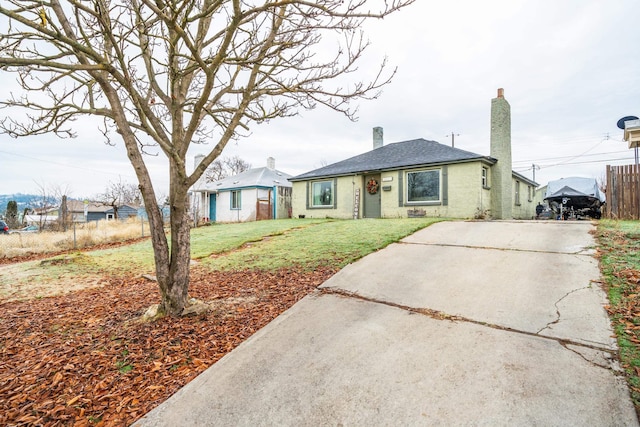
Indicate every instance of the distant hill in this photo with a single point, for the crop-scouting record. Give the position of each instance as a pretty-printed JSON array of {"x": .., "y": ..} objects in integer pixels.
[{"x": 23, "y": 200}]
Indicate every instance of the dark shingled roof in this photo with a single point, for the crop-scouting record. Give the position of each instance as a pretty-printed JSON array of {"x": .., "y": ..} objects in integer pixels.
[{"x": 417, "y": 152}]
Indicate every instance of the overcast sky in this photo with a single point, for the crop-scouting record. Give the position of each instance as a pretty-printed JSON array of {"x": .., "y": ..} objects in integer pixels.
[{"x": 569, "y": 68}]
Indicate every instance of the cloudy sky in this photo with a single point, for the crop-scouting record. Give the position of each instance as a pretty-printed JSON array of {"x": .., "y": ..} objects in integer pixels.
[{"x": 569, "y": 68}]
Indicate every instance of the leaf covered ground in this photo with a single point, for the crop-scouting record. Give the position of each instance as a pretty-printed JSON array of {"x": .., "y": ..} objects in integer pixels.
[
  {"x": 73, "y": 353},
  {"x": 82, "y": 358},
  {"x": 619, "y": 254}
]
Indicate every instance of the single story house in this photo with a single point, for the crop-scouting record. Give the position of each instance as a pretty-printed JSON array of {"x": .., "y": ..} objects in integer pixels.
[
  {"x": 125, "y": 211},
  {"x": 421, "y": 178},
  {"x": 85, "y": 211},
  {"x": 253, "y": 195}
]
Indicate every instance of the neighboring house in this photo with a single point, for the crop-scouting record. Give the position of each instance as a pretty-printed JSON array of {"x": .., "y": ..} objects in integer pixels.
[
  {"x": 421, "y": 178},
  {"x": 255, "y": 194},
  {"x": 85, "y": 211},
  {"x": 41, "y": 221},
  {"x": 42, "y": 217},
  {"x": 124, "y": 212}
]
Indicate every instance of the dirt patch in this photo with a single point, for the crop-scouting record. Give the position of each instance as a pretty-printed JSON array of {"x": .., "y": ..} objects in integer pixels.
[
  {"x": 32, "y": 280},
  {"x": 79, "y": 359}
]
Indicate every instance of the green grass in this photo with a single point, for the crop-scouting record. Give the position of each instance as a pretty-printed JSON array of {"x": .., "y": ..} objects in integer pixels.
[
  {"x": 619, "y": 249},
  {"x": 220, "y": 238},
  {"x": 335, "y": 243},
  {"x": 263, "y": 245}
]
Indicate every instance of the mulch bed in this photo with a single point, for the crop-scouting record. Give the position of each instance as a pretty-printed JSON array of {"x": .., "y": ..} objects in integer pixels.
[{"x": 82, "y": 359}]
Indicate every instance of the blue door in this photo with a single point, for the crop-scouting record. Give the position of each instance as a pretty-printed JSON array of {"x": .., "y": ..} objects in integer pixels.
[{"x": 212, "y": 207}]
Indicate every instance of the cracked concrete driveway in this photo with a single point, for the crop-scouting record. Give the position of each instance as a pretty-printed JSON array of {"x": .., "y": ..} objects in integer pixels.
[{"x": 462, "y": 323}]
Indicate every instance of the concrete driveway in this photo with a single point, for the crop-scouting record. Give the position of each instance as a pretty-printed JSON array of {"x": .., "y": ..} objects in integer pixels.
[{"x": 462, "y": 323}]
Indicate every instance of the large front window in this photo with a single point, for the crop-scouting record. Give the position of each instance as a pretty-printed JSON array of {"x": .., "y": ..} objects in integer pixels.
[
  {"x": 423, "y": 186},
  {"x": 322, "y": 194}
]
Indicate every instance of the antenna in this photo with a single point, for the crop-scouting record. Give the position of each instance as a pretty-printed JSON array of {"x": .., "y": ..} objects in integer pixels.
[{"x": 453, "y": 138}]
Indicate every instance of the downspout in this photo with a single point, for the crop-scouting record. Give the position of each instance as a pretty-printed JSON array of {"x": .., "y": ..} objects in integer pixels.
[{"x": 275, "y": 205}]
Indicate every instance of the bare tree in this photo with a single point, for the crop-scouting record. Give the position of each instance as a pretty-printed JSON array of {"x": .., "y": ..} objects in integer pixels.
[
  {"x": 117, "y": 194},
  {"x": 235, "y": 165},
  {"x": 165, "y": 74},
  {"x": 216, "y": 171},
  {"x": 223, "y": 167},
  {"x": 49, "y": 197}
]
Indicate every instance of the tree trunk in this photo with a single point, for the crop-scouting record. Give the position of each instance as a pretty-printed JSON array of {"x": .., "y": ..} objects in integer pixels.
[
  {"x": 175, "y": 285},
  {"x": 174, "y": 280}
]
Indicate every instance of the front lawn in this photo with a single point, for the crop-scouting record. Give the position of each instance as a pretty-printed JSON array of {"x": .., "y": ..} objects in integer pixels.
[{"x": 81, "y": 358}]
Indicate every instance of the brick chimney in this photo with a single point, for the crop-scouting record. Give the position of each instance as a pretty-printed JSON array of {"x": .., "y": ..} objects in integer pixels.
[
  {"x": 377, "y": 137},
  {"x": 271, "y": 163},
  {"x": 502, "y": 171}
]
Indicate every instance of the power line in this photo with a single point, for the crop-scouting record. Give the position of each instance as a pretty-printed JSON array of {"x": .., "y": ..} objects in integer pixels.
[
  {"x": 66, "y": 165},
  {"x": 568, "y": 157},
  {"x": 574, "y": 163}
]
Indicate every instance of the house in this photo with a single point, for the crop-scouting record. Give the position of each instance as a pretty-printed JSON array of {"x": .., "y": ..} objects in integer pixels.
[
  {"x": 255, "y": 194},
  {"x": 125, "y": 211},
  {"x": 85, "y": 211},
  {"x": 421, "y": 178}
]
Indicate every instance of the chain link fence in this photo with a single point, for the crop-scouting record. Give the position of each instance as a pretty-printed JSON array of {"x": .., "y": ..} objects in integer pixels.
[{"x": 77, "y": 236}]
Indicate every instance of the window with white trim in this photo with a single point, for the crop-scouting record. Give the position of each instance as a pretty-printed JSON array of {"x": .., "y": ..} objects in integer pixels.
[
  {"x": 322, "y": 194},
  {"x": 517, "y": 195},
  {"x": 423, "y": 186},
  {"x": 236, "y": 199},
  {"x": 485, "y": 177}
]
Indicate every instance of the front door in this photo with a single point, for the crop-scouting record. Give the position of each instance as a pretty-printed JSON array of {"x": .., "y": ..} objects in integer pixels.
[
  {"x": 212, "y": 207},
  {"x": 371, "y": 198}
]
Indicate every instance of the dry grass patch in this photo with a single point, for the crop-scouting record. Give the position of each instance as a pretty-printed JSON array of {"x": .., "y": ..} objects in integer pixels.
[{"x": 83, "y": 236}]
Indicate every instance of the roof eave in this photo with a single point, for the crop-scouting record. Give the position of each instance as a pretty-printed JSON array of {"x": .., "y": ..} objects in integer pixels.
[{"x": 484, "y": 159}]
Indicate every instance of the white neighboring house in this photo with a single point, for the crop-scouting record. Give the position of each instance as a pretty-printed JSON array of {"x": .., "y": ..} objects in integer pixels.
[{"x": 253, "y": 195}]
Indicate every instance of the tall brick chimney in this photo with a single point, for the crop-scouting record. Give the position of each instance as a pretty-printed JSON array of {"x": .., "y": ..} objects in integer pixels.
[
  {"x": 377, "y": 137},
  {"x": 502, "y": 171}
]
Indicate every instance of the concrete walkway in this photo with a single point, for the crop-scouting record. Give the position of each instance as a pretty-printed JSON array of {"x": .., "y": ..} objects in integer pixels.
[{"x": 462, "y": 323}]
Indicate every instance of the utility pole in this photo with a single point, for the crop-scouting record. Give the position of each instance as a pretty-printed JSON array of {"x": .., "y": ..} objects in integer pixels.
[
  {"x": 534, "y": 167},
  {"x": 453, "y": 138}
]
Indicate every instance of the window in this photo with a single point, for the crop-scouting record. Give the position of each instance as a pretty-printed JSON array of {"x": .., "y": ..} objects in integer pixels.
[
  {"x": 322, "y": 194},
  {"x": 236, "y": 199},
  {"x": 485, "y": 177},
  {"x": 517, "y": 198},
  {"x": 529, "y": 193},
  {"x": 423, "y": 186}
]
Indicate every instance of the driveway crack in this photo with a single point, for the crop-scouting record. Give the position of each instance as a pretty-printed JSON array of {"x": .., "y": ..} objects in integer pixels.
[
  {"x": 580, "y": 252},
  {"x": 439, "y": 315},
  {"x": 558, "y": 315}
]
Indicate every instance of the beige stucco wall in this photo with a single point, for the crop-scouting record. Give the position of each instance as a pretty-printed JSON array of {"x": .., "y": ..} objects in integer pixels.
[
  {"x": 345, "y": 190},
  {"x": 466, "y": 196},
  {"x": 526, "y": 209}
]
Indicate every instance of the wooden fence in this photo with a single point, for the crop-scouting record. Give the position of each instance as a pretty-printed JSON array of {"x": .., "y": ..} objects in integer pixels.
[{"x": 623, "y": 192}]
